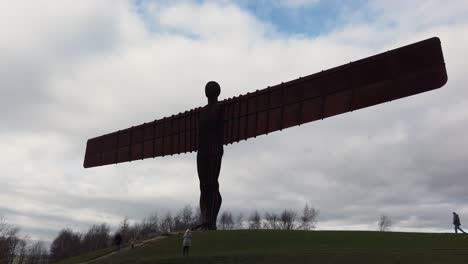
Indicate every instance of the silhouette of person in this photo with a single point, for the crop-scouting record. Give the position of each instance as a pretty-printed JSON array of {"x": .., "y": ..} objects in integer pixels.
[
  {"x": 118, "y": 240},
  {"x": 187, "y": 242},
  {"x": 456, "y": 223},
  {"x": 209, "y": 155}
]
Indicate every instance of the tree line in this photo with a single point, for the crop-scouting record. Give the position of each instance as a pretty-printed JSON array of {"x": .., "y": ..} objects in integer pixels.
[
  {"x": 18, "y": 250},
  {"x": 69, "y": 243}
]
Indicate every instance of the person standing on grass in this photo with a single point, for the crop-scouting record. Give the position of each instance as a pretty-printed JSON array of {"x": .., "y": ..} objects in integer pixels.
[
  {"x": 132, "y": 243},
  {"x": 456, "y": 223},
  {"x": 187, "y": 242}
]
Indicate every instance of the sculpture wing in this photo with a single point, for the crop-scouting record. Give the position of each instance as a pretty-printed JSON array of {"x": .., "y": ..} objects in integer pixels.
[
  {"x": 167, "y": 136},
  {"x": 384, "y": 77},
  {"x": 388, "y": 76}
]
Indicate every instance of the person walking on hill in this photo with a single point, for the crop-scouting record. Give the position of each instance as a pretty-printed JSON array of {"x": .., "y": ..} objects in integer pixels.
[
  {"x": 187, "y": 242},
  {"x": 456, "y": 223},
  {"x": 118, "y": 240}
]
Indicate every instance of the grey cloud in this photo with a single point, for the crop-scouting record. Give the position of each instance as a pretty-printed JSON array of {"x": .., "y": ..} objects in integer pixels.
[{"x": 405, "y": 158}]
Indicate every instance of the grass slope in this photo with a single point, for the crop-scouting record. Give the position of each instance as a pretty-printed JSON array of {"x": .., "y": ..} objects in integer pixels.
[
  {"x": 86, "y": 257},
  {"x": 266, "y": 246}
]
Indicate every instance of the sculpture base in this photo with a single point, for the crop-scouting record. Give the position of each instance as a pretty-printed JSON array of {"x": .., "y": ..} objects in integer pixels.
[{"x": 205, "y": 227}]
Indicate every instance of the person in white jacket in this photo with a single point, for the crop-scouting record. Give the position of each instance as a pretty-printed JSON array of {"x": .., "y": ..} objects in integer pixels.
[{"x": 187, "y": 242}]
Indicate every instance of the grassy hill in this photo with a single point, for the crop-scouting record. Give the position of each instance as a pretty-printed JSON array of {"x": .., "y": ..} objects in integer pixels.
[{"x": 267, "y": 246}]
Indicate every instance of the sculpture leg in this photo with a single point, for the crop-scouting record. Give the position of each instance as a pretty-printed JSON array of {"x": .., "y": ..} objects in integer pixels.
[
  {"x": 216, "y": 195},
  {"x": 208, "y": 168},
  {"x": 201, "y": 169}
]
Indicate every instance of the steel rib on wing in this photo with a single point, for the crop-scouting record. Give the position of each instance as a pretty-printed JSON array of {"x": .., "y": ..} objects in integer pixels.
[{"x": 391, "y": 75}]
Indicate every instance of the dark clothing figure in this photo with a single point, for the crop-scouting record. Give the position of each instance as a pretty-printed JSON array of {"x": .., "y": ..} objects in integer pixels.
[
  {"x": 456, "y": 223},
  {"x": 209, "y": 155},
  {"x": 118, "y": 240}
]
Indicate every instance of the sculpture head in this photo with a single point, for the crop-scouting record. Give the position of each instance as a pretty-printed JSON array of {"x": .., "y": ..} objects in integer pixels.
[{"x": 212, "y": 91}]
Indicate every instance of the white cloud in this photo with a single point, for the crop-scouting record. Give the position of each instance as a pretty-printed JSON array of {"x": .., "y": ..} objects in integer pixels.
[
  {"x": 297, "y": 3},
  {"x": 75, "y": 70},
  {"x": 290, "y": 4}
]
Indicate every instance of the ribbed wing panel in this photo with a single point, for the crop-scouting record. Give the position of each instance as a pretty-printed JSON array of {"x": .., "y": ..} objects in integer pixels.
[
  {"x": 388, "y": 76},
  {"x": 172, "y": 135}
]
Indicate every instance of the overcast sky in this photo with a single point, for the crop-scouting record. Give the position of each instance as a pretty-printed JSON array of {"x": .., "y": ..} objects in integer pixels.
[{"x": 71, "y": 70}]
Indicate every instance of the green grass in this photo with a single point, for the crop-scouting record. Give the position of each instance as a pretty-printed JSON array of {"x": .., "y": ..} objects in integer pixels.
[
  {"x": 87, "y": 256},
  {"x": 262, "y": 246}
]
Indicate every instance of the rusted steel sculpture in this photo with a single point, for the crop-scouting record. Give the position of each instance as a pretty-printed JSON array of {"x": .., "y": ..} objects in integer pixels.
[
  {"x": 388, "y": 76},
  {"x": 209, "y": 155}
]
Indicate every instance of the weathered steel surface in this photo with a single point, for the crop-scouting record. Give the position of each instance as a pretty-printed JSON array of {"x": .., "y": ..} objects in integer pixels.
[
  {"x": 384, "y": 77},
  {"x": 172, "y": 135},
  {"x": 388, "y": 76}
]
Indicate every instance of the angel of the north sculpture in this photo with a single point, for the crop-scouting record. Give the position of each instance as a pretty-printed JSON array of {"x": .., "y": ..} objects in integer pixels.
[{"x": 388, "y": 76}]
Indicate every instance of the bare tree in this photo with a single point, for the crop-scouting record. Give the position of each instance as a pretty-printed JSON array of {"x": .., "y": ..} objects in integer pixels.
[
  {"x": 238, "y": 221},
  {"x": 230, "y": 221},
  {"x": 384, "y": 223},
  {"x": 177, "y": 223},
  {"x": 254, "y": 220},
  {"x": 136, "y": 230},
  {"x": 287, "y": 219},
  {"x": 309, "y": 217},
  {"x": 183, "y": 219},
  {"x": 196, "y": 219},
  {"x": 153, "y": 224},
  {"x": 10, "y": 243},
  {"x": 37, "y": 254},
  {"x": 222, "y": 220},
  {"x": 166, "y": 224},
  {"x": 226, "y": 221},
  {"x": 124, "y": 230},
  {"x": 97, "y": 237},
  {"x": 149, "y": 227},
  {"x": 271, "y": 221},
  {"x": 21, "y": 252},
  {"x": 187, "y": 216},
  {"x": 66, "y": 244}
]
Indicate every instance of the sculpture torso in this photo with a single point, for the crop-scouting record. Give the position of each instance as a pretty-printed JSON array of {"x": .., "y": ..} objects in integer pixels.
[{"x": 210, "y": 130}]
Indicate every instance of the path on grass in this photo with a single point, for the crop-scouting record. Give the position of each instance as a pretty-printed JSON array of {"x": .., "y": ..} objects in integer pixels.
[{"x": 123, "y": 249}]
